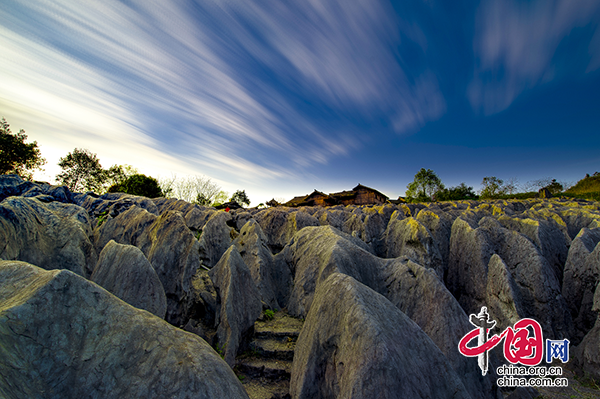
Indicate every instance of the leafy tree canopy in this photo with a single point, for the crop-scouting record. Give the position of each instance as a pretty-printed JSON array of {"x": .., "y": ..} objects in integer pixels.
[
  {"x": 117, "y": 174},
  {"x": 424, "y": 186},
  {"x": 240, "y": 197},
  {"x": 16, "y": 156},
  {"x": 492, "y": 188},
  {"x": 138, "y": 184},
  {"x": 460, "y": 192},
  {"x": 81, "y": 171}
]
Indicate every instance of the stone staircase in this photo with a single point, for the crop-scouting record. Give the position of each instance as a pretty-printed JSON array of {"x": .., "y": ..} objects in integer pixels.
[{"x": 265, "y": 369}]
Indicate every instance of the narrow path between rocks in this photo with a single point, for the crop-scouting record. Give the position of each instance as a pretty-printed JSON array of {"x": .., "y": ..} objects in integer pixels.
[{"x": 265, "y": 369}]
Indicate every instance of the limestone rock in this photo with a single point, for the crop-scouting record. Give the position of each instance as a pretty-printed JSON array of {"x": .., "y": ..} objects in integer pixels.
[
  {"x": 316, "y": 252},
  {"x": 537, "y": 286},
  {"x": 240, "y": 303},
  {"x": 280, "y": 225},
  {"x": 49, "y": 235},
  {"x": 205, "y": 303},
  {"x": 195, "y": 215},
  {"x": 439, "y": 224},
  {"x": 273, "y": 279},
  {"x": 124, "y": 271},
  {"x": 356, "y": 344},
  {"x": 110, "y": 205},
  {"x": 420, "y": 295},
  {"x": 502, "y": 301},
  {"x": 586, "y": 355},
  {"x": 582, "y": 274},
  {"x": 552, "y": 242},
  {"x": 65, "y": 337},
  {"x": 408, "y": 237},
  {"x": 216, "y": 238},
  {"x": 170, "y": 247}
]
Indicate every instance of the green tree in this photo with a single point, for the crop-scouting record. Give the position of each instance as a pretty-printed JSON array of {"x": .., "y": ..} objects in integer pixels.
[
  {"x": 81, "y": 171},
  {"x": 220, "y": 198},
  {"x": 138, "y": 184},
  {"x": 554, "y": 187},
  {"x": 492, "y": 188},
  {"x": 240, "y": 197},
  {"x": 460, "y": 192},
  {"x": 16, "y": 156},
  {"x": 424, "y": 186},
  {"x": 117, "y": 174}
]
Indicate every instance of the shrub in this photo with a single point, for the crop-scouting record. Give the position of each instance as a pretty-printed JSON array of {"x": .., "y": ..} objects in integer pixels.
[{"x": 139, "y": 184}]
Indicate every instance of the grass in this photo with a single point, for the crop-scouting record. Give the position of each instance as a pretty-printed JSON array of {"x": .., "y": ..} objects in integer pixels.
[
  {"x": 102, "y": 217},
  {"x": 269, "y": 314}
]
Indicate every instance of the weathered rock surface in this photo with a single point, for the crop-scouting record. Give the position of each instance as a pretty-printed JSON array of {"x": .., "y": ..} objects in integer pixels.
[
  {"x": 195, "y": 215},
  {"x": 582, "y": 274},
  {"x": 51, "y": 235},
  {"x": 502, "y": 299},
  {"x": 216, "y": 237},
  {"x": 419, "y": 294},
  {"x": 124, "y": 271},
  {"x": 538, "y": 289},
  {"x": 587, "y": 354},
  {"x": 62, "y": 336},
  {"x": 408, "y": 237},
  {"x": 280, "y": 225},
  {"x": 356, "y": 344},
  {"x": 316, "y": 252},
  {"x": 536, "y": 258},
  {"x": 240, "y": 303},
  {"x": 14, "y": 186},
  {"x": 272, "y": 278},
  {"x": 168, "y": 244}
]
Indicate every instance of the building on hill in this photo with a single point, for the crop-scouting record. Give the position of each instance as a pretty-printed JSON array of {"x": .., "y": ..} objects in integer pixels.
[{"x": 359, "y": 195}]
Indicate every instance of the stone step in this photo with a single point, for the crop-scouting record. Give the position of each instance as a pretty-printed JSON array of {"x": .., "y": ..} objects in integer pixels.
[
  {"x": 273, "y": 390},
  {"x": 282, "y": 325},
  {"x": 272, "y": 369},
  {"x": 263, "y": 332},
  {"x": 274, "y": 348}
]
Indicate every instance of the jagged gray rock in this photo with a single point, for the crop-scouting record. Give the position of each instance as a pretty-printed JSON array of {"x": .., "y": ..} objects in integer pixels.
[
  {"x": 419, "y": 294},
  {"x": 216, "y": 237},
  {"x": 439, "y": 224},
  {"x": 316, "y": 252},
  {"x": 582, "y": 274},
  {"x": 586, "y": 355},
  {"x": 501, "y": 294},
  {"x": 168, "y": 244},
  {"x": 124, "y": 271},
  {"x": 273, "y": 279},
  {"x": 65, "y": 337},
  {"x": 408, "y": 237},
  {"x": 552, "y": 242},
  {"x": 240, "y": 303},
  {"x": 51, "y": 235},
  {"x": 356, "y": 344},
  {"x": 195, "y": 215},
  {"x": 538, "y": 289},
  {"x": 280, "y": 225}
]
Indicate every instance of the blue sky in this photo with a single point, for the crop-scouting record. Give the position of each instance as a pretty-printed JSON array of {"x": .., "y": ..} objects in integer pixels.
[{"x": 283, "y": 97}]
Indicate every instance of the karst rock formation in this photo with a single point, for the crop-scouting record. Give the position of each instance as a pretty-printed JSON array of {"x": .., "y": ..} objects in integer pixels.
[{"x": 106, "y": 296}]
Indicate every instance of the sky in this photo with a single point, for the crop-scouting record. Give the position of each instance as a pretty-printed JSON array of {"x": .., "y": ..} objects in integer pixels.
[{"x": 279, "y": 98}]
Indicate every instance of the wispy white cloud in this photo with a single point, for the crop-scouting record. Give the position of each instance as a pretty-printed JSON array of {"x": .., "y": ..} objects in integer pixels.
[
  {"x": 217, "y": 86},
  {"x": 515, "y": 43}
]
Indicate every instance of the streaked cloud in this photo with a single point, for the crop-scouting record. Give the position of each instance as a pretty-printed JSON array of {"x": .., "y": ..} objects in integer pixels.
[
  {"x": 219, "y": 86},
  {"x": 516, "y": 44}
]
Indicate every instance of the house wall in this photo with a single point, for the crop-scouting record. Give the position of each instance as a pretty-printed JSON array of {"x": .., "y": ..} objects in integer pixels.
[{"x": 366, "y": 197}]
